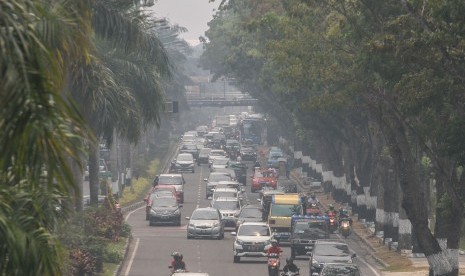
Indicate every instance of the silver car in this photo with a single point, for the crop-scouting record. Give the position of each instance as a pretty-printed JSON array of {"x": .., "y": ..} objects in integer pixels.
[{"x": 205, "y": 222}]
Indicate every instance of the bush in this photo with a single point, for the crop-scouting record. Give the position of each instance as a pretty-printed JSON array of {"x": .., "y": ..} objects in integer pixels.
[
  {"x": 125, "y": 231},
  {"x": 113, "y": 257}
]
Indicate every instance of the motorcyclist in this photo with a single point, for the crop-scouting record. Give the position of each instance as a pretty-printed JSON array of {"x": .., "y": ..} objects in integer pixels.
[
  {"x": 344, "y": 214},
  {"x": 330, "y": 209},
  {"x": 313, "y": 200},
  {"x": 177, "y": 263},
  {"x": 290, "y": 266},
  {"x": 274, "y": 249}
]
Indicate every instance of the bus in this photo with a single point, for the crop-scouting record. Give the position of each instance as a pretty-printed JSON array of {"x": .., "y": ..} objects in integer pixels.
[{"x": 253, "y": 131}]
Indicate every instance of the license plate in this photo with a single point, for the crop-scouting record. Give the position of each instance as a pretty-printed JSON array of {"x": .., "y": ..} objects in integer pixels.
[{"x": 308, "y": 247}]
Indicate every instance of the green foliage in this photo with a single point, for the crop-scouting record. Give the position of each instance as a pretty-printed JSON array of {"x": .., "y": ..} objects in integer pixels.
[{"x": 125, "y": 230}]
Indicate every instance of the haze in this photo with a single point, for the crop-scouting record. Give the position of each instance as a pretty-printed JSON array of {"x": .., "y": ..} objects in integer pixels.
[{"x": 191, "y": 14}]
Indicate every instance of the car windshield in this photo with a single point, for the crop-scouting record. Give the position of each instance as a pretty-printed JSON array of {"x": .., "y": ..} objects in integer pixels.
[
  {"x": 164, "y": 202},
  {"x": 250, "y": 213},
  {"x": 216, "y": 153},
  {"x": 185, "y": 157},
  {"x": 225, "y": 194},
  {"x": 306, "y": 226},
  {"x": 170, "y": 180},
  {"x": 285, "y": 210},
  {"x": 218, "y": 177},
  {"x": 189, "y": 147},
  {"x": 253, "y": 230},
  {"x": 205, "y": 151},
  {"x": 338, "y": 250},
  {"x": 205, "y": 215},
  {"x": 225, "y": 205},
  {"x": 161, "y": 193},
  {"x": 340, "y": 270},
  {"x": 220, "y": 161}
]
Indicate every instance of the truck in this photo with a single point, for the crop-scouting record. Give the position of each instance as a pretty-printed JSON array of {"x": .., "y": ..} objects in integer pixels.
[
  {"x": 305, "y": 231},
  {"x": 282, "y": 208},
  {"x": 222, "y": 121}
]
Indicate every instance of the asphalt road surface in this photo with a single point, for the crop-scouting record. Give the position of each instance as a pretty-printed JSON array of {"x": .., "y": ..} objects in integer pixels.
[{"x": 149, "y": 253}]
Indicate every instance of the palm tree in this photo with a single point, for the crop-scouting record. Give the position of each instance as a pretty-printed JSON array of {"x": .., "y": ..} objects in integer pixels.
[
  {"x": 120, "y": 88},
  {"x": 41, "y": 128}
]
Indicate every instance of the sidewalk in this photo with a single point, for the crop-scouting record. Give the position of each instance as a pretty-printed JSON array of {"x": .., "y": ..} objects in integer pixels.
[{"x": 394, "y": 263}]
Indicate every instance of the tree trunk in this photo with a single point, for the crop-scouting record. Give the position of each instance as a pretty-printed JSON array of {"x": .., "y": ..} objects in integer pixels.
[
  {"x": 94, "y": 184},
  {"x": 413, "y": 201}
]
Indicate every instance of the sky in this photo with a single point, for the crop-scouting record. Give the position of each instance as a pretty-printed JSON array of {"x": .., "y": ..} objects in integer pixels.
[{"x": 191, "y": 14}]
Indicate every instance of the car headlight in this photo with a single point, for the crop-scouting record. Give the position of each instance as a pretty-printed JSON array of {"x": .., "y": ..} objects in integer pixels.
[
  {"x": 350, "y": 261},
  {"x": 239, "y": 242},
  {"x": 191, "y": 225},
  {"x": 153, "y": 212},
  {"x": 315, "y": 262},
  {"x": 177, "y": 165},
  {"x": 191, "y": 165},
  {"x": 177, "y": 212},
  {"x": 216, "y": 224}
]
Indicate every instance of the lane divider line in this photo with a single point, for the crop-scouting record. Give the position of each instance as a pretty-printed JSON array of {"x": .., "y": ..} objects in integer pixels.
[{"x": 131, "y": 260}]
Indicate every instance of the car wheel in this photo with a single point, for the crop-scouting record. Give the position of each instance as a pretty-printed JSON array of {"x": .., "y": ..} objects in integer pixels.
[
  {"x": 237, "y": 259},
  {"x": 189, "y": 237},
  {"x": 151, "y": 223}
]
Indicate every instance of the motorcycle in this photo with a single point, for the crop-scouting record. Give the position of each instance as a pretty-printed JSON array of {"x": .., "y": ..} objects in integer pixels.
[
  {"x": 273, "y": 264},
  {"x": 177, "y": 270},
  {"x": 290, "y": 273},
  {"x": 333, "y": 224},
  {"x": 345, "y": 228}
]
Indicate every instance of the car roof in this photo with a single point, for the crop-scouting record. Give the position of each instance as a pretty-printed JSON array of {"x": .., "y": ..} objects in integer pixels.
[
  {"x": 206, "y": 209},
  {"x": 171, "y": 174},
  {"x": 225, "y": 189},
  {"x": 226, "y": 182},
  {"x": 249, "y": 206},
  {"x": 255, "y": 223},
  {"x": 226, "y": 198}
]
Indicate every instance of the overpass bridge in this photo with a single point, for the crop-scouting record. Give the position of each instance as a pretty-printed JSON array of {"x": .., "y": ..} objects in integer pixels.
[{"x": 221, "y": 102}]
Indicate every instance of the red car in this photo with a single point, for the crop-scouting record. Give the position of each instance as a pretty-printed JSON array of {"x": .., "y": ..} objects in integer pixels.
[{"x": 265, "y": 177}]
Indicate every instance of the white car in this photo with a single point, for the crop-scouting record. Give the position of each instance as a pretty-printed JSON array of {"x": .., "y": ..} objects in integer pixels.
[
  {"x": 228, "y": 207},
  {"x": 252, "y": 240}
]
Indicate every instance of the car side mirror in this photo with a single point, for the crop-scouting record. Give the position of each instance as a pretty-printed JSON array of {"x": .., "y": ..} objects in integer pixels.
[
  {"x": 206, "y": 180},
  {"x": 180, "y": 205},
  {"x": 233, "y": 234},
  {"x": 188, "y": 218},
  {"x": 354, "y": 255}
]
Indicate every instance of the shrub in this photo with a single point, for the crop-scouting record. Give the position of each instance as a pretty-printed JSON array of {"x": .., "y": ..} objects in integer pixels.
[
  {"x": 113, "y": 257},
  {"x": 125, "y": 231}
]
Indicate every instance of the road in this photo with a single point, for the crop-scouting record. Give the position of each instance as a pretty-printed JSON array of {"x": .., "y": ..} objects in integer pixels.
[{"x": 149, "y": 253}]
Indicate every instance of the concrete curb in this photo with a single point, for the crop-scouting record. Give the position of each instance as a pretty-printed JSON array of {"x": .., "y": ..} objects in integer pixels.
[
  {"x": 294, "y": 175},
  {"x": 126, "y": 251}
]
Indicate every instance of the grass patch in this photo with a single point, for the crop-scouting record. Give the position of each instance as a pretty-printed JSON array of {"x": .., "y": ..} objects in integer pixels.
[
  {"x": 140, "y": 186},
  {"x": 108, "y": 269}
]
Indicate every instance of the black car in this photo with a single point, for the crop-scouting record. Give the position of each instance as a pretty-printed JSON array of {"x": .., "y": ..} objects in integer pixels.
[
  {"x": 327, "y": 251},
  {"x": 305, "y": 231},
  {"x": 190, "y": 148},
  {"x": 248, "y": 154},
  {"x": 249, "y": 213},
  {"x": 165, "y": 210},
  {"x": 331, "y": 269},
  {"x": 241, "y": 171},
  {"x": 203, "y": 156}
]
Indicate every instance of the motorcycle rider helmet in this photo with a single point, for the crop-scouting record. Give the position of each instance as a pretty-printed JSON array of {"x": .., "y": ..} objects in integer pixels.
[
  {"x": 274, "y": 242},
  {"x": 313, "y": 196},
  {"x": 331, "y": 207},
  {"x": 177, "y": 256},
  {"x": 289, "y": 261}
]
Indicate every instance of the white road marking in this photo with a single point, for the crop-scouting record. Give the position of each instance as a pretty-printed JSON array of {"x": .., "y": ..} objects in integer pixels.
[{"x": 133, "y": 255}]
